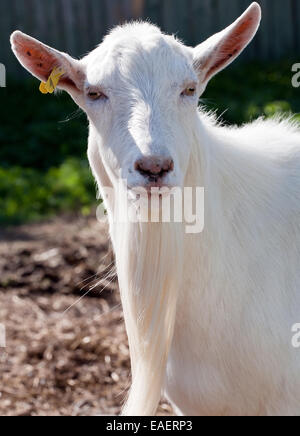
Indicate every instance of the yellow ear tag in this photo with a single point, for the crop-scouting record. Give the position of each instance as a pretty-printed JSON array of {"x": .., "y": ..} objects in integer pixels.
[{"x": 53, "y": 80}]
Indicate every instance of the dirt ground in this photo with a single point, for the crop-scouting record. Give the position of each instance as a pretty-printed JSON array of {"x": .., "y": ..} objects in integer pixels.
[{"x": 66, "y": 347}]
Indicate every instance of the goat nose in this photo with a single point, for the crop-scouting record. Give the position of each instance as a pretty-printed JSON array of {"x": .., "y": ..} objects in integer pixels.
[{"x": 154, "y": 167}]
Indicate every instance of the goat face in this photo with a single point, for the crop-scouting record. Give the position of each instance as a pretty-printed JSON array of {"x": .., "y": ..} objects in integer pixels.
[{"x": 141, "y": 92}]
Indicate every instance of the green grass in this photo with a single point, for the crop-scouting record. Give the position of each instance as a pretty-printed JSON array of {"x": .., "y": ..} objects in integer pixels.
[
  {"x": 44, "y": 169},
  {"x": 43, "y": 164},
  {"x": 28, "y": 194}
]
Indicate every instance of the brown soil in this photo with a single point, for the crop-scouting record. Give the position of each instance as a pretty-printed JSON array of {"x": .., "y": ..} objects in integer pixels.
[{"x": 66, "y": 347}]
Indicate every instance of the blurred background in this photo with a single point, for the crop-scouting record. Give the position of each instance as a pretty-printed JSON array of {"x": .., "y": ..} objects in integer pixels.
[
  {"x": 42, "y": 139},
  {"x": 66, "y": 356}
]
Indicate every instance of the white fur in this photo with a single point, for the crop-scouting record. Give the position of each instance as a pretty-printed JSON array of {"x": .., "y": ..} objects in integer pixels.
[{"x": 208, "y": 316}]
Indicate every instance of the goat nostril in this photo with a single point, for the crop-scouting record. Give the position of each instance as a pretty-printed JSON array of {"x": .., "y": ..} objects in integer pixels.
[
  {"x": 154, "y": 167},
  {"x": 169, "y": 166}
]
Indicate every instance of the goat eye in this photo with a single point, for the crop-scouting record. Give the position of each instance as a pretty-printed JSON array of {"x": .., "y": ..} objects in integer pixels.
[
  {"x": 189, "y": 92},
  {"x": 96, "y": 95}
]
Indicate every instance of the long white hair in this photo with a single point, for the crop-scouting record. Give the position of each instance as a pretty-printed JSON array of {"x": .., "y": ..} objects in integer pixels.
[{"x": 149, "y": 263}]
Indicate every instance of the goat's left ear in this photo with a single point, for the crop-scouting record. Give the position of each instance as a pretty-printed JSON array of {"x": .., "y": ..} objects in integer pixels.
[
  {"x": 221, "y": 49},
  {"x": 40, "y": 60}
]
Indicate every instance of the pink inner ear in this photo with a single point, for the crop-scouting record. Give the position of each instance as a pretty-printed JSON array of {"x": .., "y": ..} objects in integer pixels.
[
  {"x": 40, "y": 60},
  {"x": 232, "y": 45},
  {"x": 35, "y": 57}
]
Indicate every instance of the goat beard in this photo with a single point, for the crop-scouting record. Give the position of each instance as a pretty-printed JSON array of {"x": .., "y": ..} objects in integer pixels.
[{"x": 149, "y": 258}]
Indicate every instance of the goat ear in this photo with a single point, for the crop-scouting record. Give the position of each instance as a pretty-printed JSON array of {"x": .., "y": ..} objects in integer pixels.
[
  {"x": 221, "y": 49},
  {"x": 40, "y": 60}
]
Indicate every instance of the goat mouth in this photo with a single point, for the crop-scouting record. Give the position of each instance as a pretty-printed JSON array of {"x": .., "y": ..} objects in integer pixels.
[
  {"x": 155, "y": 184},
  {"x": 152, "y": 189}
]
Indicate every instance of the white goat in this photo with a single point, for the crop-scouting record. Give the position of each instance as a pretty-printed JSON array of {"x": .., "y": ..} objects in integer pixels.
[{"x": 208, "y": 316}]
